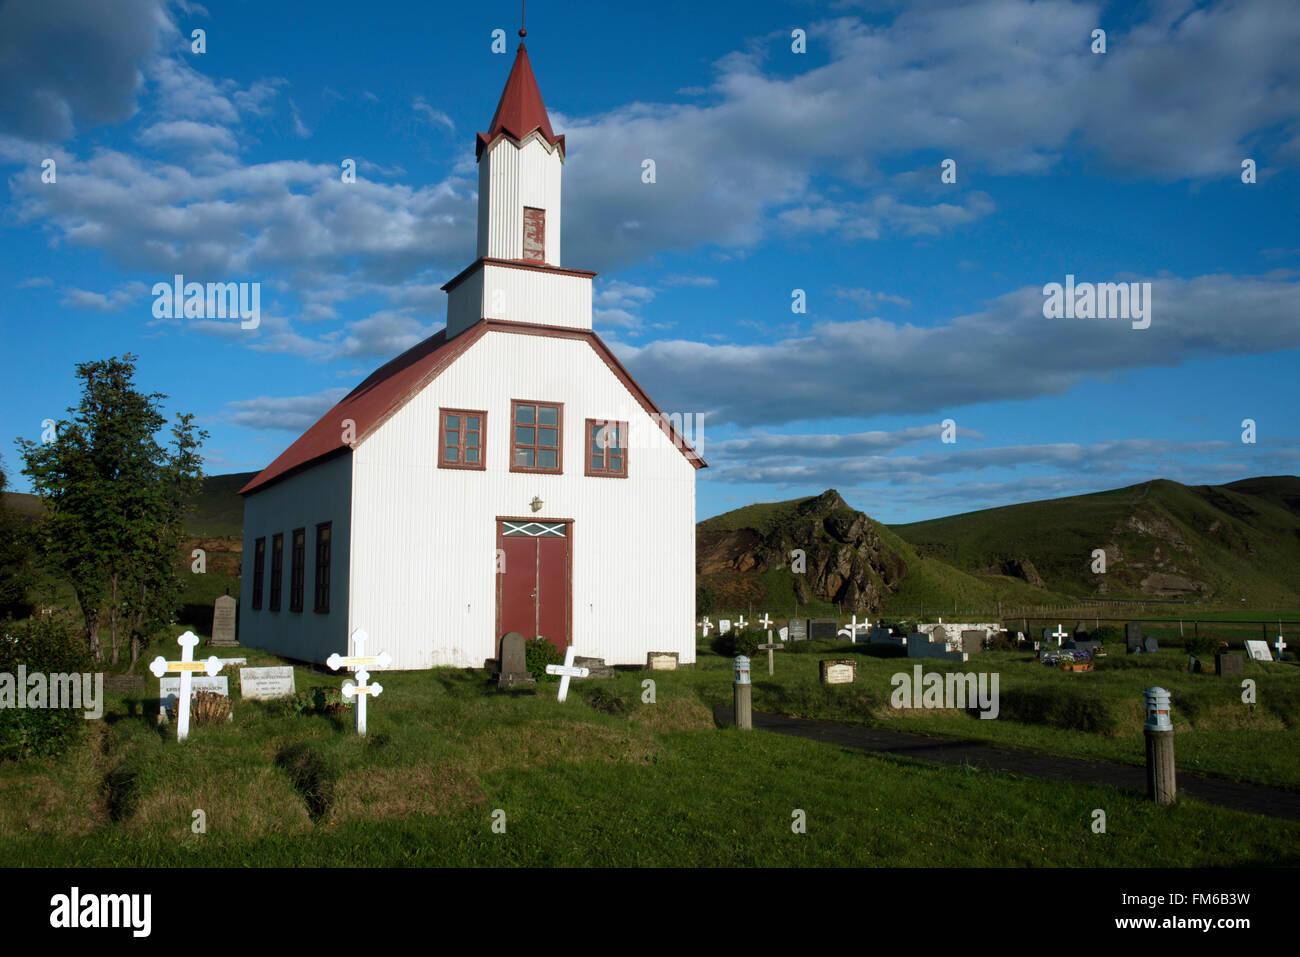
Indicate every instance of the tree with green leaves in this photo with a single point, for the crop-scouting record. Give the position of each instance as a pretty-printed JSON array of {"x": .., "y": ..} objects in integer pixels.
[
  {"x": 115, "y": 500},
  {"x": 15, "y": 557}
]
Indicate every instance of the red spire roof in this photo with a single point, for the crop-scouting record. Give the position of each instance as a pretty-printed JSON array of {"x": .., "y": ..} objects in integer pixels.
[{"x": 521, "y": 109}]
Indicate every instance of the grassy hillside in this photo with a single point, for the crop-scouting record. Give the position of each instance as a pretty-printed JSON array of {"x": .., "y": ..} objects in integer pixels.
[{"x": 1215, "y": 543}]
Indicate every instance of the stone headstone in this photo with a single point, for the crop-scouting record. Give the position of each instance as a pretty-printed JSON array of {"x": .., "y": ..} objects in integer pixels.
[
  {"x": 1228, "y": 665},
  {"x": 264, "y": 684},
  {"x": 973, "y": 641},
  {"x": 798, "y": 629},
  {"x": 513, "y": 670},
  {"x": 223, "y": 621},
  {"x": 1193, "y": 665},
  {"x": 1047, "y": 637},
  {"x": 838, "y": 671},
  {"x": 1133, "y": 636},
  {"x": 661, "y": 660},
  {"x": 1258, "y": 650},
  {"x": 724, "y": 625},
  {"x": 1150, "y": 645},
  {"x": 783, "y": 633},
  {"x": 822, "y": 629},
  {"x": 169, "y": 690},
  {"x": 123, "y": 684},
  {"x": 1080, "y": 631}
]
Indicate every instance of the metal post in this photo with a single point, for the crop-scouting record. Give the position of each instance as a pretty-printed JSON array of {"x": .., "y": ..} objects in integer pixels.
[
  {"x": 1159, "y": 732},
  {"x": 744, "y": 692}
]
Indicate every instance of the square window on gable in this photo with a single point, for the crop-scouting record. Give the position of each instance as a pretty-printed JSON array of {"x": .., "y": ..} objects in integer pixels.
[
  {"x": 536, "y": 436},
  {"x": 461, "y": 439}
]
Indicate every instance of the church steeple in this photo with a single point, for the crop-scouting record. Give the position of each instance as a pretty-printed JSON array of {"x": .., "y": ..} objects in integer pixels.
[
  {"x": 517, "y": 276},
  {"x": 520, "y": 160}
]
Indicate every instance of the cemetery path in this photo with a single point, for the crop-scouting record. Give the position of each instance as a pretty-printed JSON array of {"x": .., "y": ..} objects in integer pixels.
[{"x": 1252, "y": 798}]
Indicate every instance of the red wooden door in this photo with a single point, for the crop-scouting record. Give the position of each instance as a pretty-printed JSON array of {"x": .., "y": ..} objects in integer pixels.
[{"x": 533, "y": 587}]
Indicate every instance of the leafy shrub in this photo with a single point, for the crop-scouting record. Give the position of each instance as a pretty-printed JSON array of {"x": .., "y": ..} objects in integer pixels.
[
  {"x": 47, "y": 645},
  {"x": 1107, "y": 635},
  {"x": 737, "y": 641},
  {"x": 539, "y": 653},
  {"x": 313, "y": 701},
  {"x": 1204, "y": 646},
  {"x": 1071, "y": 709}
]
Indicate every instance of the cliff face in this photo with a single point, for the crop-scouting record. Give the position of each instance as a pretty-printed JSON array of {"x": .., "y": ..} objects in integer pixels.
[{"x": 845, "y": 560}]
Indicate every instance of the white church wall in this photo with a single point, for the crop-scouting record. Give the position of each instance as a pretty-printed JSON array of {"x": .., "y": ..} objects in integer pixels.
[
  {"x": 526, "y": 295},
  {"x": 511, "y": 178},
  {"x": 319, "y": 494},
  {"x": 424, "y": 538}
]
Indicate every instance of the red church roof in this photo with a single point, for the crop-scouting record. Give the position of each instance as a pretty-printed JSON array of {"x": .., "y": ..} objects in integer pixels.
[
  {"x": 521, "y": 109},
  {"x": 391, "y": 386}
]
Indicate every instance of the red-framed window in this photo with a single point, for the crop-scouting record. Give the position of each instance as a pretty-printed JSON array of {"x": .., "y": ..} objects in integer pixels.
[
  {"x": 322, "y": 597},
  {"x": 461, "y": 439},
  {"x": 534, "y": 234},
  {"x": 606, "y": 452},
  {"x": 277, "y": 570},
  {"x": 259, "y": 571},
  {"x": 536, "y": 436}
]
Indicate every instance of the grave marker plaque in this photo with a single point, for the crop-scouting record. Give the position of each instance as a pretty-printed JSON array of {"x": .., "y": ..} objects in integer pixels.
[
  {"x": 223, "y": 621},
  {"x": 798, "y": 629},
  {"x": 1258, "y": 649},
  {"x": 838, "y": 671},
  {"x": 820, "y": 629},
  {"x": 1229, "y": 665},
  {"x": 661, "y": 660},
  {"x": 264, "y": 684}
]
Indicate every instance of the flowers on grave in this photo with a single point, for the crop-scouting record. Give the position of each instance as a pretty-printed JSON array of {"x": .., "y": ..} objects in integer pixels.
[
  {"x": 208, "y": 707},
  {"x": 1055, "y": 657}
]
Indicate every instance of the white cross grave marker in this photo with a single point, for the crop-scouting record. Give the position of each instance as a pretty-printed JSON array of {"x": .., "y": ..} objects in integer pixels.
[
  {"x": 852, "y": 630},
  {"x": 705, "y": 625},
  {"x": 1059, "y": 635},
  {"x": 1279, "y": 645},
  {"x": 566, "y": 671},
  {"x": 741, "y": 623},
  {"x": 186, "y": 666},
  {"x": 765, "y": 621},
  {"x": 359, "y": 688}
]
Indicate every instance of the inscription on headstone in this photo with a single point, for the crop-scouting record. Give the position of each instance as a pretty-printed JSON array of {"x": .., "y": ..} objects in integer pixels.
[
  {"x": 223, "y": 621},
  {"x": 661, "y": 660},
  {"x": 263, "y": 684},
  {"x": 798, "y": 629},
  {"x": 838, "y": 671},
  {"x": 1229, "y": 665},
  {"x": 1258, "y": 650}
]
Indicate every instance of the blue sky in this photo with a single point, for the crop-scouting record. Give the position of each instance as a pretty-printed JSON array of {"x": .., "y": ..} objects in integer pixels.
[{"x": 775, "y": 171}]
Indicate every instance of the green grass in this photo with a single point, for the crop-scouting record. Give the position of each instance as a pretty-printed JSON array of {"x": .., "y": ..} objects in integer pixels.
[{"x": 606, "y": 780}]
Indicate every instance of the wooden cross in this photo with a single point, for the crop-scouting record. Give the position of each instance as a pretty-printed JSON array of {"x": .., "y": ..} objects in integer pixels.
[
  {"x": 186, "y": 667},
  {"x": 359, "y": 662},
  {"x": 741, "y": 623},
  {"x": 771, "y": 646},
  {"x": 766, "y": 623},
  {"x": 1279, "y": 645},
  {"x": 566, "y": 671},
  {"x": 705, "y": 625},
  {"x": 1059, "y": 635}
]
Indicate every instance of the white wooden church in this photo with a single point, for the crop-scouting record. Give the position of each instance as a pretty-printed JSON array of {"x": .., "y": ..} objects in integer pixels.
[{"x": 506, "y": 474}]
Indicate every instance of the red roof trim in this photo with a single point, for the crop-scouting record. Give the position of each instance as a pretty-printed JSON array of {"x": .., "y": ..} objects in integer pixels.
[
  {"x": 389, "y": 388},
  {"x": 520, "y": 110},
  {"x": 514, "y": 264}
]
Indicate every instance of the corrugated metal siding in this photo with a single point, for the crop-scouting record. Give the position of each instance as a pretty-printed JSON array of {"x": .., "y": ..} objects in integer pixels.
[
  {"x": 510, "y": 179},
  {"x": 465, "y": 304},
  {"x": 424, "y": 538},
  {"x": 524, "y": 295},
  {"x": 320, "y": 494}
]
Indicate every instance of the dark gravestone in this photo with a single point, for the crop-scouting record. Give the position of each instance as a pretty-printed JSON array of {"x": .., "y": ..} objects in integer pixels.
[
  {"x": 1193, "y": 665},
  {"x": 823, "y": 629},
  {"x": 1133, "y": 636},
  {"x": 798, "y": 629},
  {"x": 1048, "y": 637},
  {"x": 1080, "y": 631},
  {"x": 972, "y": 641},
  {"x": 1228, "y": 665},
  {"x": 514, "y": 662},
  {"x": 1150, "y": 645}
]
